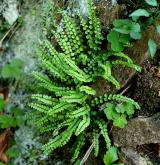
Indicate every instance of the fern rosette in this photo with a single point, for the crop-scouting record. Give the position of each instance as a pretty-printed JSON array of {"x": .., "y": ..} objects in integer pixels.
[{"x": 69, "y": 107}]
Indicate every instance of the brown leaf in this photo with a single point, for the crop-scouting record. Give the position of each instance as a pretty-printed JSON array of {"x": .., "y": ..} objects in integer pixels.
[
  {"x": 4, "y": 158},
  {"x": 4, "y": 141}
]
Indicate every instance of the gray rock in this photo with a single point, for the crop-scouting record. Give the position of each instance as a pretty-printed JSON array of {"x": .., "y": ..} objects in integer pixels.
[
  {"x": 11, "y": 11},
  {"x": 138, "y": 131},
  {"x": 134, "y": 158}
]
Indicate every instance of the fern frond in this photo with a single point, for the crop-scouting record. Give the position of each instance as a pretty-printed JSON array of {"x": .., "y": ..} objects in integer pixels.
[
  {"x": 122, "y": 55},
  {"x": 39, "y": 107},
  {"x": 61, "y": 106},
  {"x": 61, "y": 139},
  {"x": 80, "y": 112},
  {"x": 96, "y": 142},
  {"x": 77, "y": 147},
  {"x": 73, "y": 33},
  {"x": 48, "y": 128},
  {"x": 103, "y": 127},
  {"x": 74, "y": 98},
  {"x": 107, "y": 74},
  {"x": 131, "y": 65},
  {"x": 83, "y": 124},
  {"x": 44, "y": 99},
  {"x": 121, "y": 98},
  {"x": 94, "y": 23},
  {"x": 88, "y": 90},
  {"x": 63, "y": 41},
  {"x": 49, "y": 85}
]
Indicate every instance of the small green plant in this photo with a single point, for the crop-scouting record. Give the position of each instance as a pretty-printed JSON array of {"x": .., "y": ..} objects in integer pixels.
[
  {"x": 152, "y": 47},
  {"x": 150, "y": 14},
  {"x": 123, "y": 31},
  {"x": 118, "y": 113},
  {"x": 111, "y": 157},
  {"x": 68, "y": 106},
  {"x": 11, "y": 117},
  {"x": 13, "y": 70}
]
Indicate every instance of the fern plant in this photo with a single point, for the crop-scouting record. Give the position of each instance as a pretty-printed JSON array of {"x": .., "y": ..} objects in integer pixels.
[{"x": 69, "y": 106}]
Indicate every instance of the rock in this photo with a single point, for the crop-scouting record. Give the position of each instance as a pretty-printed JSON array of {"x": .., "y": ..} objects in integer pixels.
[
  {"x": 138, "y": 131},
  {"x": 147, "y": 89},
  {"x": 11, "y": 11},
  {"x": 131, "y": 157}
]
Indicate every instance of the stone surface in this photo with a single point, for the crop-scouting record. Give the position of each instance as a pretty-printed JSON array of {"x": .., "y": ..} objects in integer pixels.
[
  {"x": 11, "y": 11},
  {"x": 138, "y": 131},
  {"x": 146, "y": 90},
  {"x": 131, "y": 157}
]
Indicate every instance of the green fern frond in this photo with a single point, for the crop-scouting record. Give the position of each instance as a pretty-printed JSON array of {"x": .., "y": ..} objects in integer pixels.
[
  {"x": 96, "y": 142},
  {"x": 122, "y": 55},
  {"x": 48, "y": 128},
  {"x": 74, "y": 98},
  {"x": 87, "y": 90},
  {"x": 121, "y": 98},
  {"x": 107, "y": 74},
  {"x": 61, "y": 106},
  {"x": 79, "y": 112},
  {"x": 61, "y": 139},
  {"x": 39, "y": 107},
  {"x": 45, "y": 99},
  {"x": 103, "y": 127},
  {"x": 77, "y": 147},
  {"x": 74, "y": 35},
  {"x": 83, "y": 124},
  {"x": 131, "y": 65}
]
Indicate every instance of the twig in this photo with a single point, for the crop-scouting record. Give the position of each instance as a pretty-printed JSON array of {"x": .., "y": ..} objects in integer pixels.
[
  {"x": 87, "y": 153},
  {"x": 124, "y": 91},
  {"x": 7, "y": 33}
]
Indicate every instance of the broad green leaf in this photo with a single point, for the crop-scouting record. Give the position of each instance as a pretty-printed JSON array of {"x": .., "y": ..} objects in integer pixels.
[
  {"x": 16, "y": 111},
  {"x": 12, "y": 153},
  {"x": 122, "y": 26},
  {"x": 6, "y": 71},
  {"x": 13, "y": 70},
  {"x": 117, "y": 47},
  {"x": 110, "y": 112},
  {"x": 158, "y": 29},
  {"x": 152, "y": 47},
  {"x": 5, "y": 121},
  {"x": 123, "y": 30},
  {"x": 121, "y": 22},
  {"x": 2, "y": 104},
  {"x": 17, "y": 63},
  {"x": 136, "y": 35},
  {"x": 152, "y": 2},
  {"x": 113, "y": 38},
  {"x": 120, "y": 108},
  {"x": 129, "y": 108},
  {"x": 135, "y": 27},
  {"x": 2, "y": 163},
  {"x": 124, "y": 38},
  {"x": 120, "y": 121},
  {"x": 139, "y": 13},
  {"x": 110, "y": 156}
]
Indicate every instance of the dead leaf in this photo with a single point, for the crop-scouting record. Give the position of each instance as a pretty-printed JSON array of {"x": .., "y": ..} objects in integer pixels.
[{"x": 4, "y": 141}]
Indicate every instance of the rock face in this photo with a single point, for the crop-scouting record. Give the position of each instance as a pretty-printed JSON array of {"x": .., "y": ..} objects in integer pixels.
[
  {"x": 133, "y": 158},
  {"x": 10, "y": 12},
  {"x": 138, "y": 131}
]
